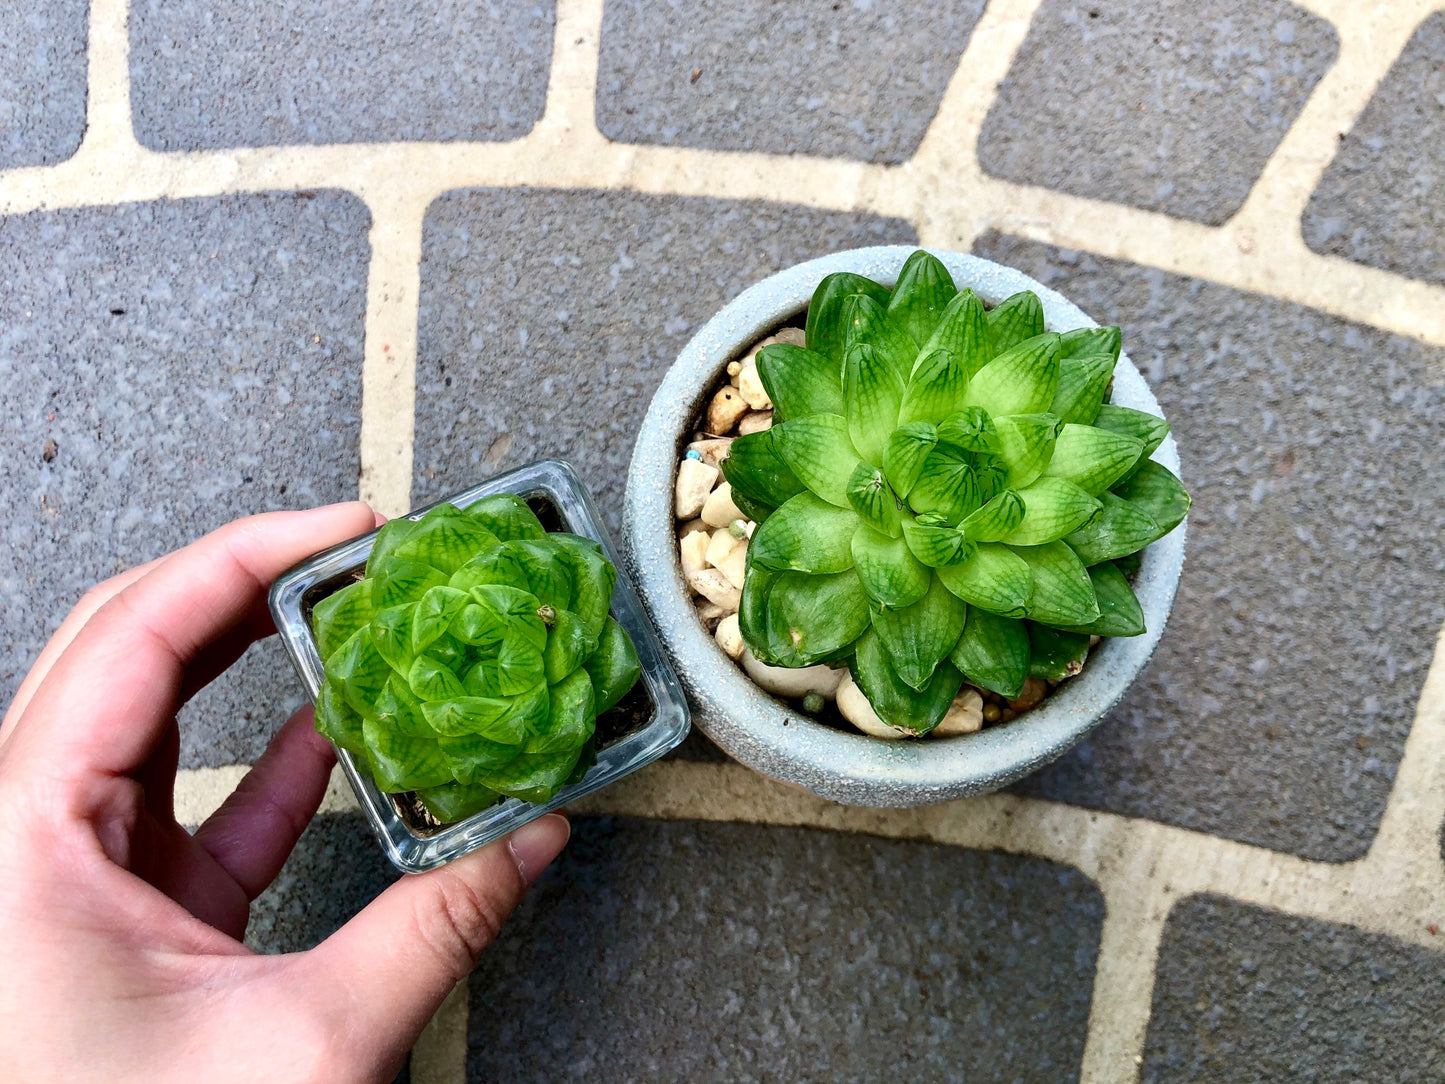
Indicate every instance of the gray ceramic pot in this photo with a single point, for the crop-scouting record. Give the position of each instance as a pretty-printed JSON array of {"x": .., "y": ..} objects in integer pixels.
[{"x": 775, "y": 738}]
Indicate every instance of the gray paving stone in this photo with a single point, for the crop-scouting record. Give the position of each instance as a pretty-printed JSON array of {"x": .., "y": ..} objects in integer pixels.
[
  {"x": 1277, "y": 706},
  {"x": 554, "y": 347},
  {"x": 207, "y": 73},
  {"x": 701, "y": 952},
  {"x": 1171, "y": 106},
  {"x": 166, "y": 367},
  {"x": 1244, "y": 994},
  {"x": 336, "y": 869},
  {"x": 42, "y": 82},
  {"x": 855, "y": 80},
  {"x": 1382, "y": 201}
]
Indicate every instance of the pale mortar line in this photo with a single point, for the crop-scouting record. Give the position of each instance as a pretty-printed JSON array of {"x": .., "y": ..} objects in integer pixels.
[
  {"x": 1371, "y": 39},
  {"x": 1122, "y": 1001},
  {"x": 440, "y": 1053},
  {"x": 388, "y": 372}
]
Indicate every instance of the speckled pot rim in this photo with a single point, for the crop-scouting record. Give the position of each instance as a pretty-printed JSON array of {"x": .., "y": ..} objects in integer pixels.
[{"x": 769, "y": 735}]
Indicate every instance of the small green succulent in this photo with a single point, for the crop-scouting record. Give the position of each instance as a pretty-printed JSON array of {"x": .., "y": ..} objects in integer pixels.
[
  {"x": 473, "y": 658},
  {"x": 944, "y": 494}
]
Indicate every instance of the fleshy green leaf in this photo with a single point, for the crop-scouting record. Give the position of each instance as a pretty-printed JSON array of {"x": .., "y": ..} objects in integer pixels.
[
  {"x": 1119, "y": 611},
  {"x": 920, "y": 636},
  {"x": 1091, "y": 340},
  {"x": 1054, "y": 654},
  {"x": 336, "y": 617},
  {"x": 995, "y": 520},
  {"x": 993, "y": 652},
  {"x": 920, "y": 297},
  {"x": 613, "y": 667},
  {"x": 806, "y": 534},
  {"x": 569, "y": 644},
  {"x": 890, "y": 573},
  {"x": 431, "y": 679},
  {"x": 571, "y": 716},
  {"x": 593, "y": 581},
  {"x": 1120, "y": 529},
  {"x": 964, "y": 332},
  {"x": 1148, "y": 428},
  {"x": 507, "y": 517},
  {"x": 1093, "y": 459},
  {"x": 757, "y": 472},
  {"x": 1026, "y": 443},
  {"x": 935, "y": 390},
  {"x": 1063, "y": 593},
  {"x": 446, "y": 540},
  {"x": 519, "y": 607},
  {"x": 358, "y": 668},
  {"x": 499, "y": 719},
  {"x": 337, "y": 721},
  {"x": 546, "y": 570},
  {"x": 1157, "y": 491},
  {"x": 812, "y": 618},
  {"x": 826, "y": 331},
  {"x": 1013, "y": 321},
  {"x": 532, "y": 778},
  {"x": 904, "y": 454},
  {"x": 392, "y": 631},
  {"x": 399, "y": 580},
  {"x": 993, "y": 578},
  {"x": 868, "y": 326},
  {"x": 946, "y": 485},
  {"x": 402, "y": 762},
  {"x": 819, "y": 453},
  {"x": 1021, "y": 380},
  {"x": 388, "y": 537},
  {"x": 436, "y": 611},
  {"x": 872, "y": 395},
  {"x": 893, "y": 699},
  {"x": 800, "y": 382},
  {"x": 935, "y": 546},
  {"x": 753, "y": 609},
  {"x": 451, "y": 803},
  {"x": 970, "y": 430},
  {"x": 874, "y": 501},
  {"x": 1082, "y": 383},
  {"x": 1053, "y": 508},
  {"x": 398, "y": 707}
]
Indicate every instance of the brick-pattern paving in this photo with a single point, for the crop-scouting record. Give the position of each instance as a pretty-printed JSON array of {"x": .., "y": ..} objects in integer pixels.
[{"x": 502, "y": 195}]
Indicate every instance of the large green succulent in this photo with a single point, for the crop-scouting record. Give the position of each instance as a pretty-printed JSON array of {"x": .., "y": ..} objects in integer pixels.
[
  {"x": 944, "y": 494},
  {"x": 472, "y": 659}
]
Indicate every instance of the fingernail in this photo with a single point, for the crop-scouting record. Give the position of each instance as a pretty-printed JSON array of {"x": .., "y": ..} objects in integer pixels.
[{"x": 536, "y": 843}]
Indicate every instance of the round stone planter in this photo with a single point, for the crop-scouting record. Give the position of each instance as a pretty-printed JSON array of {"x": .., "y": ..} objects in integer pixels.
[{"x": 777, "y": 739}]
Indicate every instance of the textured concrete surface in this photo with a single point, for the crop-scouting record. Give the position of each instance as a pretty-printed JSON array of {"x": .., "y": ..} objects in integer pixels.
[
  {"x": 1382, "y": 201},
  {"x": 206, "y": 73},
  {"x": 42, "y": 82},
  {"x": 855, "y": 80},
  {"x": 554, "y": 347},
  {"x": 1172, "y": 106},
  {"x": 166, "y": 367},
  {"x": 1279, "y": 700},
  {"x": 732, "y": 952},
  {"x": 337, "y": 850},
  {"x": 1244, "y": 994}
]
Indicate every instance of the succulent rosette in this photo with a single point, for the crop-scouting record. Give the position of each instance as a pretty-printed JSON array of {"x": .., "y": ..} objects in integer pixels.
[
  {"x": 945, "y": 494},
  {"x": 472, "y": 659}
]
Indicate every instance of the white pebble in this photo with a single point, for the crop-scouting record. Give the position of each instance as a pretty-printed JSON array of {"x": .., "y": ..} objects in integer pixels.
[
  {"x": 695, "y": 480},
  {"x": 692, "y": 552},
  {"x": 685, "y": 529},
  {"x": 708, "y": 612},
  {"x": 726, "y": 408},
  {"x": 713, "y": 450},
  {"x": 755, "y": 422},
  {"x": 715, "y": 587},
  {"x": 855, "y": 707},
  {"x": 965, "y": 715},
  {"x": 750, "y": 387},
  {"x": 793, "y": 684},
  {"x": 729, "y": 556},
  {"x": 729, "y": 637},
  {"x": 793, "y": 336},
  {"x": 718, "y": 510}
]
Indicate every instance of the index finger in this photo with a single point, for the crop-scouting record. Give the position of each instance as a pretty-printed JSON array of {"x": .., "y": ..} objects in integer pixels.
[{"x": 115, "y": 687}]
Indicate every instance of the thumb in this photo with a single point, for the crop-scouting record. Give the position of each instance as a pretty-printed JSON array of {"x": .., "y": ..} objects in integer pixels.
[{"x": 388, "y": 969}]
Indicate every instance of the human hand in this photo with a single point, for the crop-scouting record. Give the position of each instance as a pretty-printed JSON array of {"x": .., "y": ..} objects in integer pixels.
[{"x": 122, "y": 931}]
